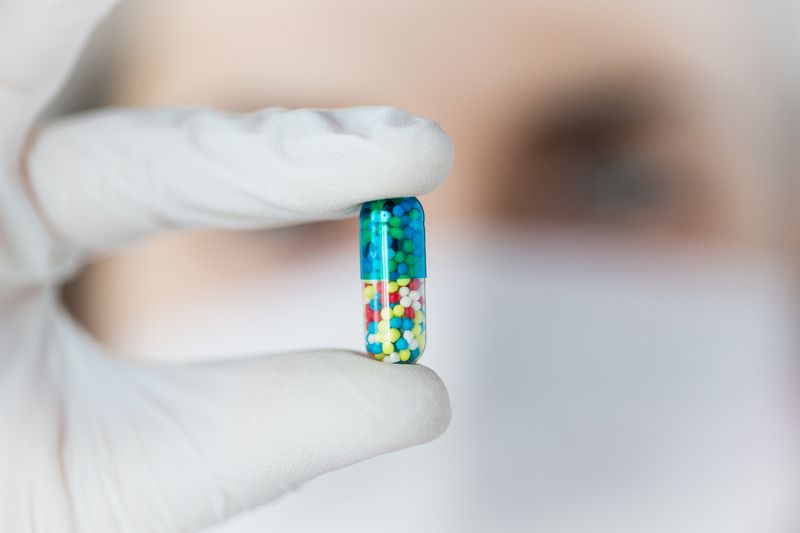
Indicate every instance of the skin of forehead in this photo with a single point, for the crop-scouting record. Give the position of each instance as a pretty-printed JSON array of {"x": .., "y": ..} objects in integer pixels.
[{"x": 352, "y": 49}]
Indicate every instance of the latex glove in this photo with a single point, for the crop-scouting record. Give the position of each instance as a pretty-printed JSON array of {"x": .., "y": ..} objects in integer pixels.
[{"x": 93, "y": 443}]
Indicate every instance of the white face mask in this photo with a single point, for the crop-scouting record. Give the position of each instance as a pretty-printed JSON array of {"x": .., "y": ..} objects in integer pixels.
[{"x": 592, "y": 390}]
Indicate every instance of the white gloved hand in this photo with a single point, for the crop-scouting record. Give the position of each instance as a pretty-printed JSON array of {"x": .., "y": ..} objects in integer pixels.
[{"x": 90, "y": 443}]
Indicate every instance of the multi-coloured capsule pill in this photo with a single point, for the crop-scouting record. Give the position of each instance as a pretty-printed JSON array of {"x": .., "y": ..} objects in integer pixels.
[{"x": 393, "y": 279}]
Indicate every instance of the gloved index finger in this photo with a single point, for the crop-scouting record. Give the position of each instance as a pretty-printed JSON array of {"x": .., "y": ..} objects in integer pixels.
[
  {"x": 107, "y": 178},
  {"x": 39, "y": 43}
]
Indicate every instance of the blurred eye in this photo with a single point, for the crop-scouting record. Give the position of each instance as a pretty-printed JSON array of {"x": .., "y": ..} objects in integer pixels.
[
  {"x": 618, "y": 188},
  {"x": 597, "y": 157}
]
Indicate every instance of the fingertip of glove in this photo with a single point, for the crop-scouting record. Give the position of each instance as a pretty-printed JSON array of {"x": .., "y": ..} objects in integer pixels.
[
  {"x": 422, "y": 152},
  {"x": 401, "y": 405},
  {"x": 371, "y": 152},
  {"x": 413, "y": 397}
]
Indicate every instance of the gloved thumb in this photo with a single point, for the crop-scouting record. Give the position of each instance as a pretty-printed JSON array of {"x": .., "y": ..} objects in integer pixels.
[{"x": 188, "y": 446}]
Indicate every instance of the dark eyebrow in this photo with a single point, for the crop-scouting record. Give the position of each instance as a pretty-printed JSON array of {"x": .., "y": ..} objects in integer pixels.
[{"x": 594, "y": 120}]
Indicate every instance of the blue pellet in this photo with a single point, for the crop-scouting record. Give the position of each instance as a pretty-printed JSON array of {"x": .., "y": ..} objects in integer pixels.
[
  {"x": 401, "y": 344},
  {"x": 395, "y": 322},
  {"x": 407, "y": 324}
]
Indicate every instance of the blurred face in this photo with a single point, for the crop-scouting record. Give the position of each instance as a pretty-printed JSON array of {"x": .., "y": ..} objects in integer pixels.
[
  {"x": 619, "y": 115},
  {"x": 597, "y": 370},
  {"x": 638, "y": 122}
]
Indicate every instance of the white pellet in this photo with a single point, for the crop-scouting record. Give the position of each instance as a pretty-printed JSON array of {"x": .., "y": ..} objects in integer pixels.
[
  {"x": 416, "y": 305},
  {"x": 405, "y": 301},
  {"x": 404, "y": 291}
]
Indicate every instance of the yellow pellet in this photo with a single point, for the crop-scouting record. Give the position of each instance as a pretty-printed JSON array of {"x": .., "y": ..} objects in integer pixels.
[{"x": 421, "y": 341}]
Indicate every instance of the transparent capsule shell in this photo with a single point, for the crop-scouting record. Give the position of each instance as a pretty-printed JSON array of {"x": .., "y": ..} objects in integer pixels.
[{"x": 393, "y": 272}]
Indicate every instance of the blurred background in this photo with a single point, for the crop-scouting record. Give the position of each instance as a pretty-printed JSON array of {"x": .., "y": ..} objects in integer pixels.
[{"x": 612, "y": 262}]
